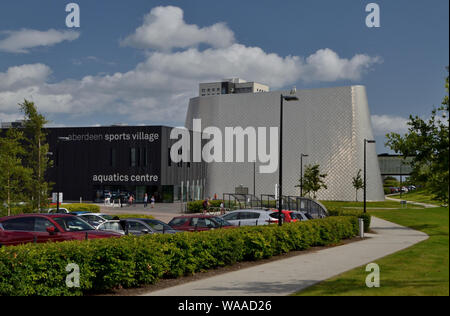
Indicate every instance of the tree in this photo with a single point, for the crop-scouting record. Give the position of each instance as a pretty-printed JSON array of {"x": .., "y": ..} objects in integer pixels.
[
  {"x": 313, "y": 180},
  {"x": 427, "y": 140},
  {"x": 36, "y": 158},
  {"x": 358, "y": 183},
  {"x": 13, "y": 175}
]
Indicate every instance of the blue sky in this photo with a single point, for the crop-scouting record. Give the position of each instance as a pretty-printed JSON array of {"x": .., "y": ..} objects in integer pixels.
[{"x": 87, "y": 75}]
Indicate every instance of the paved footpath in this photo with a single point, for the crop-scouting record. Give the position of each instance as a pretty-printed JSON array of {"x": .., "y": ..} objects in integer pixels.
[
  {"x": 412, "y": 202},
  {"x": 287, "y": 276}
]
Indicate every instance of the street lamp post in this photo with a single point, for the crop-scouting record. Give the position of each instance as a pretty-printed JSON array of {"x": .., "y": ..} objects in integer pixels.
[
  {"x": 291, "y": 97},
  {"x": 301, "y": 173},
  {"x": 366, "y": 141}
]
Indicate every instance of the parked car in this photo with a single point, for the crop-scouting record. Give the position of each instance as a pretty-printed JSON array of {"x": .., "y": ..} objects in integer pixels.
[
  {"x": 286, "y": 216},
  {"x": 194, "y": 223},
  {"x": 42, "y": 228},
  {"x": 143, "y": 226},
  {"x": 301, "y": 216},
  {"x": 96, "y": 219},
  {"x": 61, "y": 210},
  {"x": 111, "y": 226},
  {"x": 249, "y": 217}
]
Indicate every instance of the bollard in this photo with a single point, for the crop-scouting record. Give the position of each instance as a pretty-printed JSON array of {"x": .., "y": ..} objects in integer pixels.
[
  {"x": 87, "y": 236},
  {"x": 361, "y": 228}
]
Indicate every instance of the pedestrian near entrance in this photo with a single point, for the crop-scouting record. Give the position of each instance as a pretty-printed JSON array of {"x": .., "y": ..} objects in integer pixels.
[
  {"x": 205, "y": 205},
  {"x": 145, "y": 200},
  {"x": 152, "y": 200},
  {"x": 222, "y": 208},
  {"x": 131, "y": 200}
]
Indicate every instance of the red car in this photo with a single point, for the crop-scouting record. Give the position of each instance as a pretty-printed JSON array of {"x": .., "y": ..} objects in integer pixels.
[
  {"x": 286, "y": 216},
  {"x": 194, "y": 223},
  {"x": 40, "y": 228}
]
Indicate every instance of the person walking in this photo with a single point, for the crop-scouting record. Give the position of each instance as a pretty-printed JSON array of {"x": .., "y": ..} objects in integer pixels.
[
  {"x": 152, "y": 200},
  {"x": 145, "y": 200},
  {"x": 222, "y": 208},
  {"x": 205, "y": 205},
  {"x": 131, "y": 199}
]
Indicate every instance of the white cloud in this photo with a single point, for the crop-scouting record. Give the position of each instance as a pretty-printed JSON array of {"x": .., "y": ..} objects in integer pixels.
[
  {"x": 25, "y": 39},
  {"x": 326, "y": 65},
  {"x": 23, "y": 76},
  {"x": 158, "y": 89},
  {"x": 384, "y": 124},
  {"x": 164, "y": 28}
]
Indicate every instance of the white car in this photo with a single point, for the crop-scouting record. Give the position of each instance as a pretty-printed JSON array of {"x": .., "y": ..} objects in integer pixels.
[
  {"x": 249, "y": 218},
  {"x": 62, "y": 210}
]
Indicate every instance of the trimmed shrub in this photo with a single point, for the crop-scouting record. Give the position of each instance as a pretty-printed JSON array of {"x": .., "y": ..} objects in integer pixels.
[
  {"x": 197, "y": 206},
  {"x": 82, "y": 207},
  {"x": 130, "y": 261},
  {"x": 356, "y": 213}
]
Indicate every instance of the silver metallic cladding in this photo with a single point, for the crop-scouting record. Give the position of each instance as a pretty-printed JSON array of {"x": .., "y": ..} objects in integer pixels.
[{"x": 328, "y": 124}]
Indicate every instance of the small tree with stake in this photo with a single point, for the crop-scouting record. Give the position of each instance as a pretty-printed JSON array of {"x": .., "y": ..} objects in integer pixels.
[
  {"x": 358, "y": 183},
  {"x": 313, "y": 180}
]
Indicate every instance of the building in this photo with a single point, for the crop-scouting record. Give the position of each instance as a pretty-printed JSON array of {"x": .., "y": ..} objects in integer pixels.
[
  {"x": 92, "y": 161},
  {"x": 328, "y": 124},
  {"x": 230, "y": 86}
]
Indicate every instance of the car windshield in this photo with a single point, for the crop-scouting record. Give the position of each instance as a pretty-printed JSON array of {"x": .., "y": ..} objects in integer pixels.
[
  {"x": 73, "y": 224},
  {"x": 157, "y": 225},
  {"x": 107, "y": 217},
  {"x": 221, "y": 221}
]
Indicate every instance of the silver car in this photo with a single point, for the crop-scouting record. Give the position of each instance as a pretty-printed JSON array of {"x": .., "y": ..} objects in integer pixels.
[
  {"x": 249, "y": 218},
  {"x": 301, "y": 216},
  {"x": 111, "y": 226},
  {"x": 96, "y": 219}
]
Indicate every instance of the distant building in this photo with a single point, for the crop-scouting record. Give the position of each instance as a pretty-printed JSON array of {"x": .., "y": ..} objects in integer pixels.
[
  {"x": 230, "y": 86},
  {"x": 16, "y": 124},
  {"x": 328, "y": 124}
]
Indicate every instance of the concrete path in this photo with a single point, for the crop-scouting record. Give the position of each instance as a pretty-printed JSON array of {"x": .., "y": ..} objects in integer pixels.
[
  {"x": 162, "y": 211},
  {"x": 287, "y": 276},
  {"x": 412, "y": 202}
]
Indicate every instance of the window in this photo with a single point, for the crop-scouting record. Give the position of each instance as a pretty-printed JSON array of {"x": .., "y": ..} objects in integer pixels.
[
  {"x": 178, "y": 221},
  {"x": 112, "y": 157},
  {"x": 231, "y": 216},
  {"x": 203, "y": 222},
  {"x": 144, "y": 157},
  {"x": 169, "y": 159},
  {"x": 41, "y": 224},
  {"x": 157, "y": 225},
  {"x": 249, "y": 215},
  {"x": 73, "y": 224},
  {"x": 20, "y": 224},
  {"x": 132, "y": 157},
  {"x": 136, "y": 226}
]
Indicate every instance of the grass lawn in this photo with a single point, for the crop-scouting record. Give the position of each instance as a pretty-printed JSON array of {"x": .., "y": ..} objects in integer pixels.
[
  {"x": 384, "y": 204},
  {"x": 422, "y": 269},
  {"x": 417, "y": 196}
]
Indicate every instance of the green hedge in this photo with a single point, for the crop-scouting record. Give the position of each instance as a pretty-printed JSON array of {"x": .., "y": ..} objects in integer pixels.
[
  {"x": 82, "y": 207},
  {"x": 129, "y": 261},
  {"x": 197, "y": 206},
  {"x": 359, "y": 214}
]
